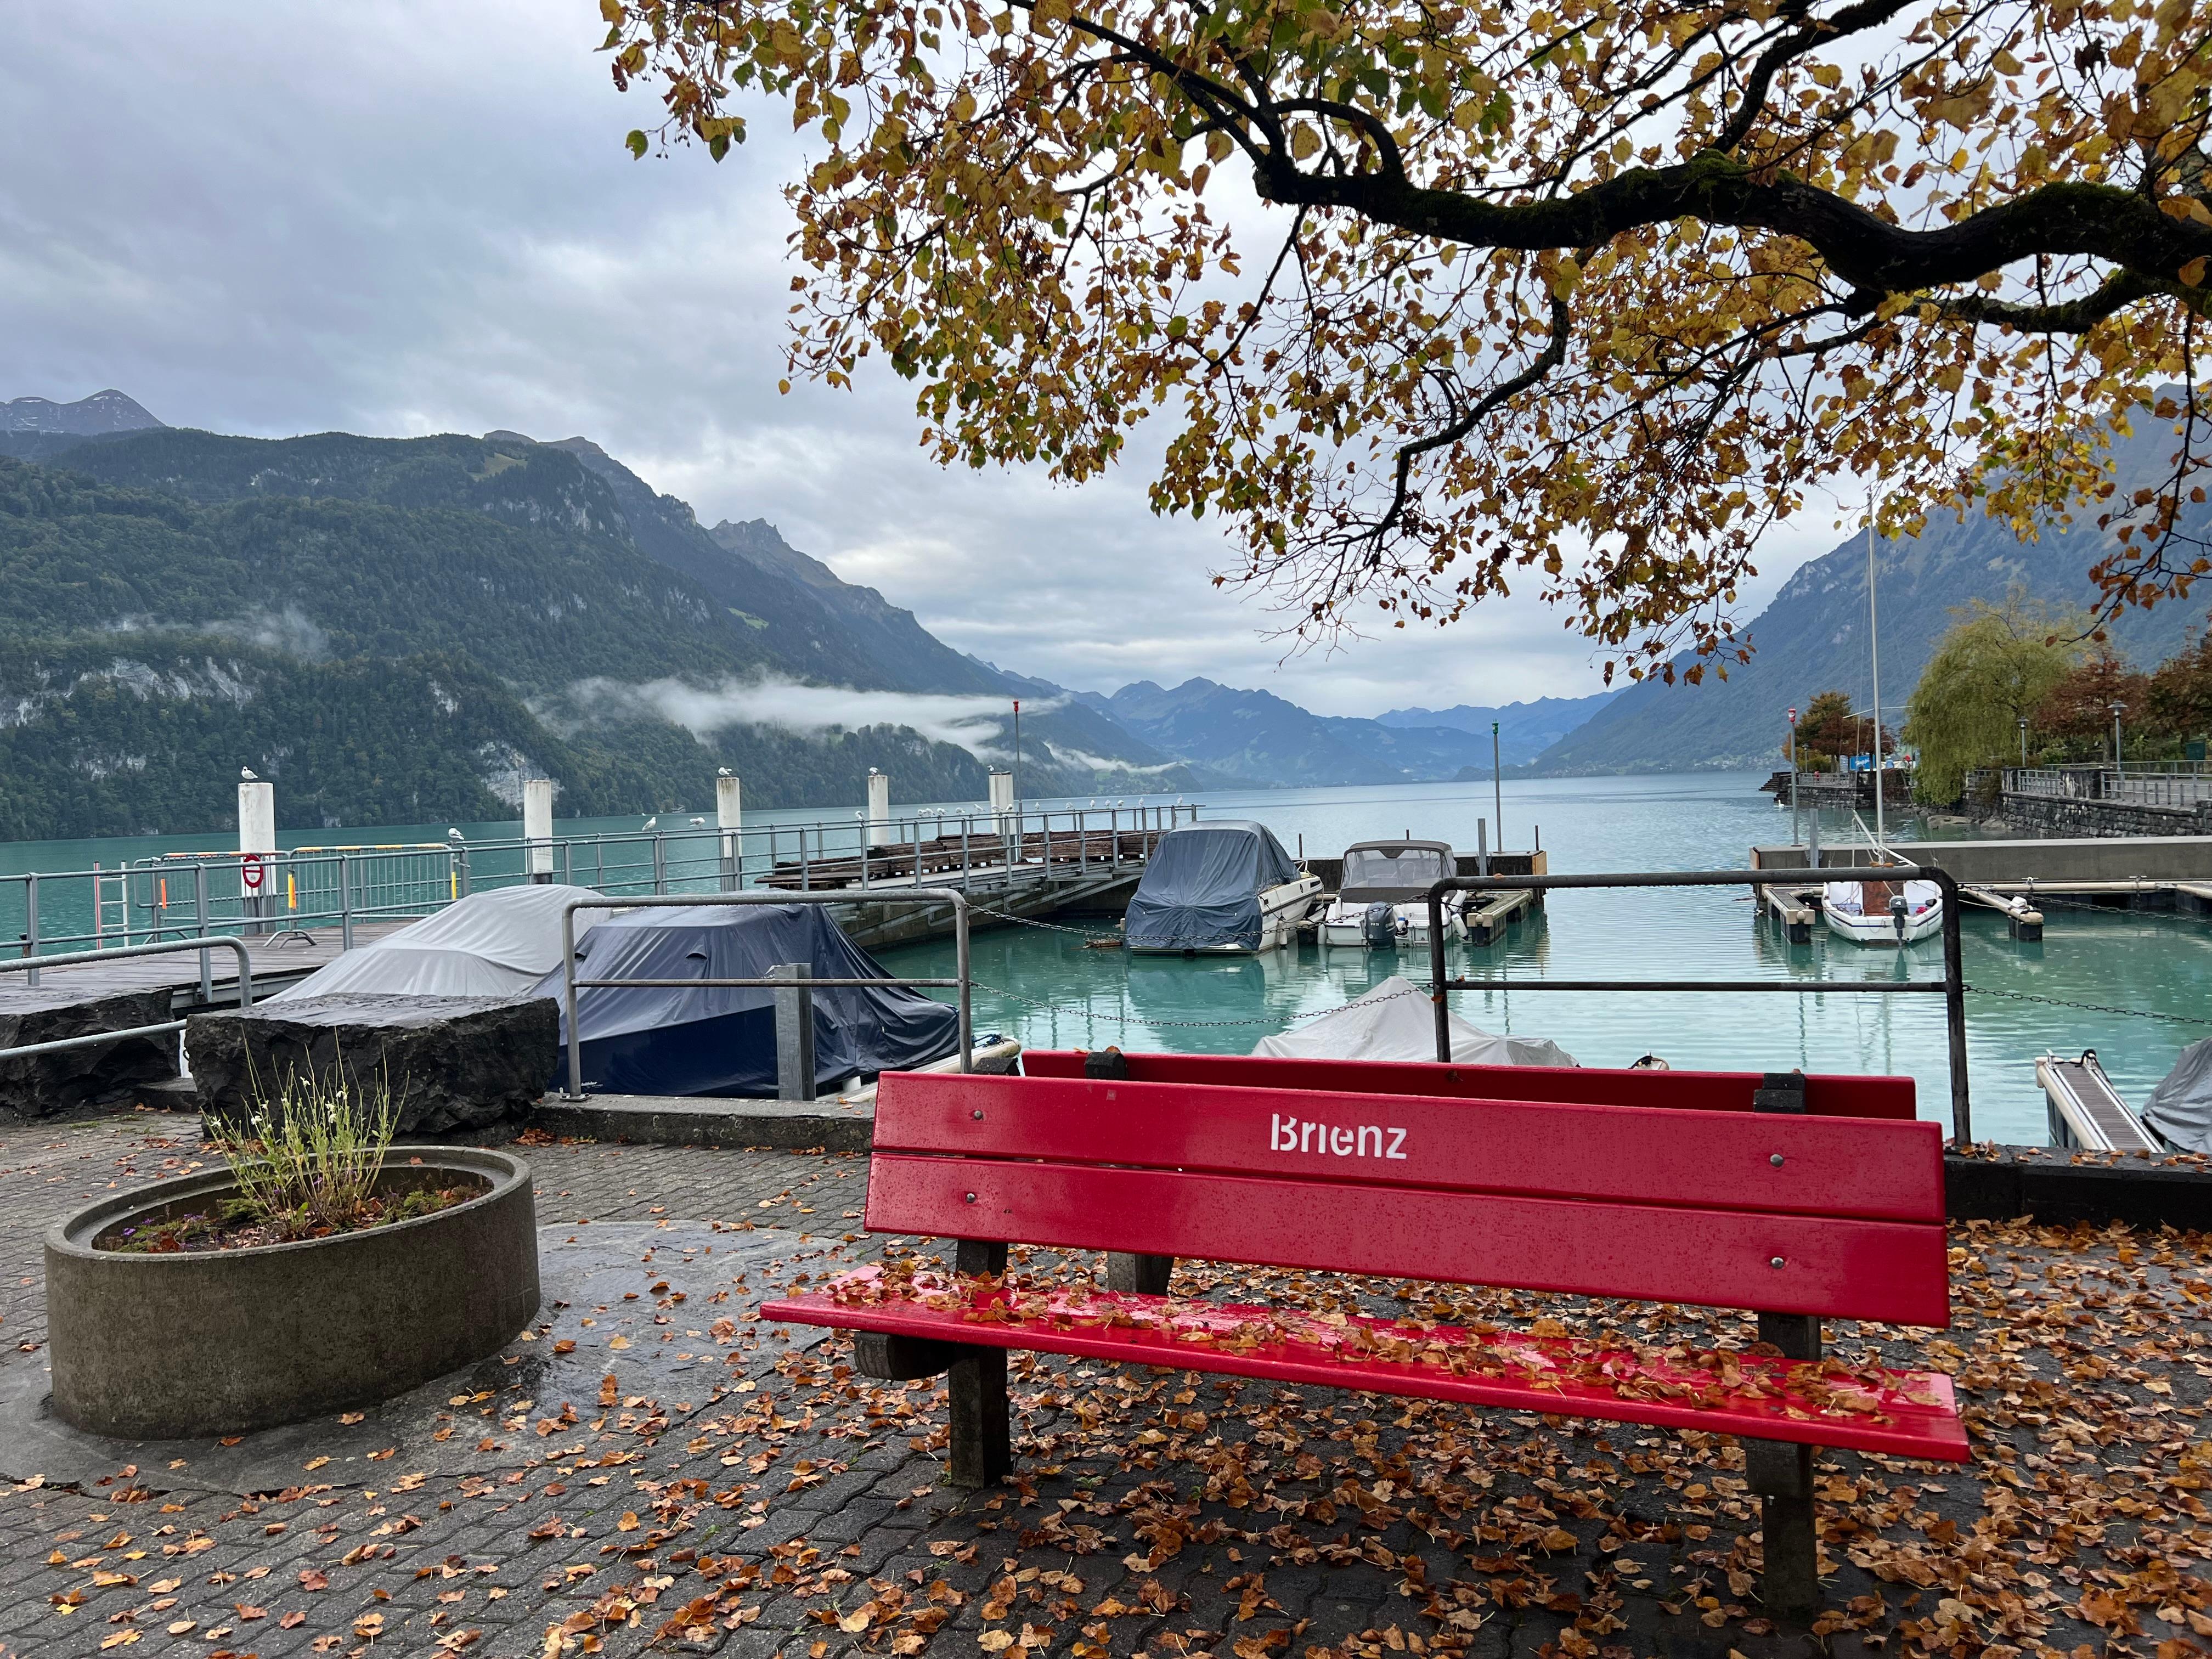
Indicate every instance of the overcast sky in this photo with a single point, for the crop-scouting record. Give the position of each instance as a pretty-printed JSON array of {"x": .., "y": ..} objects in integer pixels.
[{"x": 405, "y": 218}]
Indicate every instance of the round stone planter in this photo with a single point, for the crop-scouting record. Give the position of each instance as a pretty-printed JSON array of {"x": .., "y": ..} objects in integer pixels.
[{"x": 184, "y": 1345}]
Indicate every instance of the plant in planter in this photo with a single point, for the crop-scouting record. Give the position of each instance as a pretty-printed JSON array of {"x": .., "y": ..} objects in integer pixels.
[
  {"x": 310, "y": 1161},
  {"x": 322, "y": 1267}
]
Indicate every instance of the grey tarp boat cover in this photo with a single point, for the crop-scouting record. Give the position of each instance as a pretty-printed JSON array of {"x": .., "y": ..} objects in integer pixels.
[
  {"x": 495, "y": 944},
  {"x": 1202, "y": 885},
  {"x": 2180, "y": 1108},
  {"x": 721, "y": 1040},
  {"x": 1394, "y": 872},
  {"x": 1396, "y": 1021}
]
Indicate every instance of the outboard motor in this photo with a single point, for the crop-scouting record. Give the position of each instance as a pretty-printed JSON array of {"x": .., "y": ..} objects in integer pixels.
[
  {"x": 1896, "y": 913},
  {"x": 1378, "y": 927}
]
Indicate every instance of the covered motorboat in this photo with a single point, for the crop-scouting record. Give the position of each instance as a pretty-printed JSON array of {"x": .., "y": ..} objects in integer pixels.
[
  {"x": 1382, "y": 898},
  {"x": 1227, "y": 886},
  {"x": 721, "y": 1040},
  {"x": 1883, "y": 912},
  {"x": 500, "y": 943},
  {"x": 1396, "y": 1021}
]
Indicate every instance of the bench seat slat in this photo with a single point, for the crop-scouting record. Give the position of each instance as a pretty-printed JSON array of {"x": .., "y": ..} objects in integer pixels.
[
  {"x": 1895, "y": 1272},
  {"x": 1696, "y": 1159},
  {"x": 1912, "y": 1414},
  {"x": 1826, "y": 1096}
]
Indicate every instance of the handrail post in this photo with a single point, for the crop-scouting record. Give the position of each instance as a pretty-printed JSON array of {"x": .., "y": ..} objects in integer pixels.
[
  {"x": 795, "y": 1075},
  {"x": 200, "y": 903},
  {"x": 574, "y": 1091},
  {"x": 1954, "y": 1012},
  {"x": 31, "y": 922},
  {"x": 345, "y": 901}
]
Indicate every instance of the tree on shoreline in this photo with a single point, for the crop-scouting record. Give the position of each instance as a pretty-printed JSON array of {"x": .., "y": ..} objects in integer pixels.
[
  {"x": 1439, "y": 299},
  {"x": 1997, "y": 665}
]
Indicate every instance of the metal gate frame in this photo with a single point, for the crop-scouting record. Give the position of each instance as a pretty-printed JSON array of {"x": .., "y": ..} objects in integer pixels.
[
  {"x": 1952, "y": 987},
  {"x": 570, "y": 983}
]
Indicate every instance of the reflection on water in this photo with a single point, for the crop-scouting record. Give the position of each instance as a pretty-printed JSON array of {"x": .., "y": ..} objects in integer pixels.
[{"x": 1048, "y": 990}]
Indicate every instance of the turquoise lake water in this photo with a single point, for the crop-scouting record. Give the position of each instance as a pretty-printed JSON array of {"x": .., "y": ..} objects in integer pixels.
[{"x": 1044, "y": 988}]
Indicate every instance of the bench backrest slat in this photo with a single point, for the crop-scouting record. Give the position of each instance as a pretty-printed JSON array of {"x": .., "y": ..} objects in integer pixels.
[
  {"x": 1595, "y": 1153},
  {"x": 1831, "y": 1268},
  {"x": 1708, "y": 1091}
]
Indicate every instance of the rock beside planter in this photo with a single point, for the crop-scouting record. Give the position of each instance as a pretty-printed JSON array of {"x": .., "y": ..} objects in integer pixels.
[
  {"x": 453, "y": 1063},
  {"x": 74, "y": 1079},
  {"x": 187, "y": 1345}
]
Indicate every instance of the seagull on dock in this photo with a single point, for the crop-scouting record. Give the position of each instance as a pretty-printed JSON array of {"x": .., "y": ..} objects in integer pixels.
[
  {"x": 722, "y": 771},
  {"x": 248, "y": 774},
  {"x": 652, "y": 822},
  {"x": 697, "y": 824}
]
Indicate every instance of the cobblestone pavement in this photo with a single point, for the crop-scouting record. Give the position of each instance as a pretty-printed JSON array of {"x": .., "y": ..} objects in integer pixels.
[{"x": 734, "y": 1487}]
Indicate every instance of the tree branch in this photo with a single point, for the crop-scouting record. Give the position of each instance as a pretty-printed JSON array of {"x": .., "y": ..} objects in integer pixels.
[{"x": 1878, "y": 259}]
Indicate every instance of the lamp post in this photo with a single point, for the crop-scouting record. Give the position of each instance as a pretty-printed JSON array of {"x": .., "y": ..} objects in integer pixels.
[
  {"x": 2118, "y": 708},
  {"x": 2023, "y": 743},
  {"x": 1793, "y": 778}
]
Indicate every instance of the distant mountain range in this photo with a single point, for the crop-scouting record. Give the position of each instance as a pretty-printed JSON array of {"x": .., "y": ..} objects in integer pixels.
[
  {"x": 1814, "y": 638},
  {"x": 1525, "y": 730},
  {"x": 396, "y": 629}
]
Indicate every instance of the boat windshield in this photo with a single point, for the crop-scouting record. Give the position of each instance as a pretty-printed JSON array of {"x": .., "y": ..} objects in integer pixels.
[{"x": 1413, "y": 867}]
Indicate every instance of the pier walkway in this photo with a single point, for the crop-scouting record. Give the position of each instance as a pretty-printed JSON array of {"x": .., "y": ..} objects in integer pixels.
[{"x": 743, "y": 1493}]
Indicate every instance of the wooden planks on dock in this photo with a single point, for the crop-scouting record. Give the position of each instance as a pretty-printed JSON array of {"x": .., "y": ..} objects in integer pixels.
[
  {"x": 278, "y": 962},
  {"x": 946, "y": 857}
]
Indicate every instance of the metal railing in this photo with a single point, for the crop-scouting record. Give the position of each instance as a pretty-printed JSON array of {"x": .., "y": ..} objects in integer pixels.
[
  {"x": 1952, "y": 987},
  {"x": 116, "y": 953},
  {"x": 196, "y": 895},
  {"x": 570, "y": 984},
  {"x": 2179, "y": 785}
]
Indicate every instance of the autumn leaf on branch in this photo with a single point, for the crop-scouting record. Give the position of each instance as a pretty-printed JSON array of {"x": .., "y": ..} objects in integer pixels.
[{"x": 1434, "y": 299}]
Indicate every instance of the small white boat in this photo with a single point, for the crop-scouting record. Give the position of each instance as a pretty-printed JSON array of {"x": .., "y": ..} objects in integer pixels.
[
  {"x": 1893, "y": 912},
  {"x": 1382, "y": 899},
  {"x": 1224, "y": 888}
]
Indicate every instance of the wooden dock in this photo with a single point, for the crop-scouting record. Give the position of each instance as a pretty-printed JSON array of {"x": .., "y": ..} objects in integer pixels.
[
  {"x": 1486, "y": 922},
  {"x": 278, "y": 960},
  {"x": 948, "y": 860},
  {"x": 1797, "y": 909}
]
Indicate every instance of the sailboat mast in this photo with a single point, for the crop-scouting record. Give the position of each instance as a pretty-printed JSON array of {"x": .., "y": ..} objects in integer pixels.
[{"x": 1874, "y": 636}]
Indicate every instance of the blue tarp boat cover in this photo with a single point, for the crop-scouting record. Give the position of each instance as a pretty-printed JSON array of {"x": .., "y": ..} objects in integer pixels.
[
  {"x": 1202, "y": 885},
  {"x": 721, "y": 1040}
]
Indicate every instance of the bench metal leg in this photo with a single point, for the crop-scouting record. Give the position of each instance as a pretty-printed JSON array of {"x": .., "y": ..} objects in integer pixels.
[
  {"x": 981, "y": 1452},
  {"x": 1781, "y": 1473},
  {"x": 1138, "y": 1275}
]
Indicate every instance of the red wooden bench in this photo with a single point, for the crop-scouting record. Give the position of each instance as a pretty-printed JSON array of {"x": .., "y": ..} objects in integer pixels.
[{"x": 1796, "y": 1214}]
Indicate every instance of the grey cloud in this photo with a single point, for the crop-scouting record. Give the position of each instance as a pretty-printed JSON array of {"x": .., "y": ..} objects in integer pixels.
[{"x": 415, "y": 217}]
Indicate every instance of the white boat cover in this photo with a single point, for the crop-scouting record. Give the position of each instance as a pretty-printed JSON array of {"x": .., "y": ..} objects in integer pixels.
[
  {"x": 2180, "y": 1108},
  {"x": 499, "y": 942},
  {"x": 1396, "y": 1021},
  {"x": 1845, "y": 895}
]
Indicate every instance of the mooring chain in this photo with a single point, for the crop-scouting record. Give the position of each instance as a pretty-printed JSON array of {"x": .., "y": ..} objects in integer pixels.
[{"x": 2086, "y": 1007}]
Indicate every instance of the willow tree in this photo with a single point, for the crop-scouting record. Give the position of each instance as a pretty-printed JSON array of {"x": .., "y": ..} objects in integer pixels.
[
  {"x": 1433, "y": 297},
  {"x": 1996, "y": 667}
]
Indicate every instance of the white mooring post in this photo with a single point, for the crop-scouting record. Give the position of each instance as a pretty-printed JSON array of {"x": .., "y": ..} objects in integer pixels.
[
  {"x": 1002, "y": 811},
  {"x": 729, "y": 818},
  {"x": 879, "y": 805},
  {"x": 257, "y": 842},
  {"x": 537, "y": 828}
]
